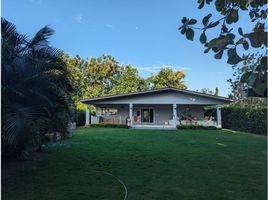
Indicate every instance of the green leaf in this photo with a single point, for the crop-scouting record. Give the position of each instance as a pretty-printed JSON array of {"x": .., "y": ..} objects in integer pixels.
[
  {"x": 230, "y": 36},
  {"x": 190, "y": 34},
  {"x": 192, "y": 21},
  {"x": 233, "y": 58},
  {"x": 260, "y": 87},
  {"x": 218, "y": 55},
  {"x": 240, "y": 41},
  {"x": 252, "y": 79},
  {"x": 206, "y": 50},
  {"x": 215, "y": 49},
  {"x": 235, "y": 15},
  {"x": 264, "y": 38},
  {"x": 245, "y": 45},
  {"x": 219, "y": 5},
  {"x": 240, "y": 31},
  {"x": 224, "y": 29},
  {"x": 201, "y": 4},
  {"x": 206, "y": 19},
  {"x": 184, "y": 19},
  {"x": 263, "y": 65},
  {"x": 203, "y": 38},
  {"x": 232, "y": 17},
  {"x": 264, "y": 61},
  {"x": 213, "y": 24},
  {"x": 245, "y": 77},
  {"x": 254, "y": 39},
  {"x": 183, "y": 31}
]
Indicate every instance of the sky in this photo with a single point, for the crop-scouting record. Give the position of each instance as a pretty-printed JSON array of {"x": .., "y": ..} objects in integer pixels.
[{"x": 141, "y": 33}]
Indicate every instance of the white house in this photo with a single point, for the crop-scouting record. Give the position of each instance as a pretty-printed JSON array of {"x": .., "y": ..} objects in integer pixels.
[{"x": 158, "y": 108}]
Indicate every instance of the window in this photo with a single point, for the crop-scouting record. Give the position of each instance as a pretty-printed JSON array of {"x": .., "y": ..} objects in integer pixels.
[{"x": 108, "y": 111}]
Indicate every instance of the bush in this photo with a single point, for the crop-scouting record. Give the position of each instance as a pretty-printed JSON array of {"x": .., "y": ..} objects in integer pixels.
[
  {"x": 196, "y": 127},
  {"x": 80, "y": 117},
  {"x": 110, "y": 125},
  {"x": 248, "y": 119}
]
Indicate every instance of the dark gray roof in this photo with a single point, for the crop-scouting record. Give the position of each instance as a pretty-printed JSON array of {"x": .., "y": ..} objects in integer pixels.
[{"x": 154, "y": 91}]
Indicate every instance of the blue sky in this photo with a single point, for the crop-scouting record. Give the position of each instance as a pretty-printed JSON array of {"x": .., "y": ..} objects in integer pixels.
[{"x": 141, "y": 33}]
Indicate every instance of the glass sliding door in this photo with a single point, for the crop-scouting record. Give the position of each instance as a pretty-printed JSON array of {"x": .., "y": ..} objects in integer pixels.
[{"x": 147, "y": 115}]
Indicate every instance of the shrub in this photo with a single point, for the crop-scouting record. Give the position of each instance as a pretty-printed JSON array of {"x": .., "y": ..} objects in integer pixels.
[
  {"x": 248, "y": 119},
  {"x": 80, "y": 117},
  {"x": 196, "y": 127},
  {"x": 110, "y": 125},
  {"x": 36, "y": 90}
]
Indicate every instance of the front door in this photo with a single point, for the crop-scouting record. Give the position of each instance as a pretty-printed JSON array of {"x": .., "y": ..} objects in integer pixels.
[{"x": 147, "y": 115}]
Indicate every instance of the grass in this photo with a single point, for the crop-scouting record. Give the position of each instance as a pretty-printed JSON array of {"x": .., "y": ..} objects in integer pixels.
[{"x": 154, "y": 164}]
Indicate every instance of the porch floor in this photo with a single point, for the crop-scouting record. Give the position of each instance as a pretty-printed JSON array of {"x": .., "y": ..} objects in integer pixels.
[{"x": 153, "y": 126}]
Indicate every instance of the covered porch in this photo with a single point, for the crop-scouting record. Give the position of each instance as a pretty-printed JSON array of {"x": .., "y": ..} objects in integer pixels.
[{"x": 157, "y": 116}]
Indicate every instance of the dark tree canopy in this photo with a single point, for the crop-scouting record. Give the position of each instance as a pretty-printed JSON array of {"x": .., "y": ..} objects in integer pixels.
[{"x": 35, "y": 90}]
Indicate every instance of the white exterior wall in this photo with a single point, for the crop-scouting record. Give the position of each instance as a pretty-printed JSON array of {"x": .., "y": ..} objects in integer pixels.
[{"x": 162, "y": 113}]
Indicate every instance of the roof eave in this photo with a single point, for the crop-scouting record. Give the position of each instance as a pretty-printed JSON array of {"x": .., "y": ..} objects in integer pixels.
[{"x": 155, "y": 90}]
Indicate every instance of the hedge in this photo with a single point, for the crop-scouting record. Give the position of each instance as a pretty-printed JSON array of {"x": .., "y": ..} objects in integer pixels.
[
  {"x": 196, "y": 127},
  {"x": 110, "y": 125},
  {"x": 247, "y": 119}
]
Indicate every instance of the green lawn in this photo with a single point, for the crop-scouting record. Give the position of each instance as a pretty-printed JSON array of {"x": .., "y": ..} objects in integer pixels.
[{"x": 154, "y": 164}]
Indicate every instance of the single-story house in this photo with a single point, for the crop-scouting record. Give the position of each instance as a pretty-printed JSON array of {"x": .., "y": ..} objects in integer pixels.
[{"x": 157, "y": 108}]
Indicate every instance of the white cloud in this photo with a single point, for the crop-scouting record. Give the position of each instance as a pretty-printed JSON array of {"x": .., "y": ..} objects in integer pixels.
[
  {"x": 109, "y": 25},
  {"x": 186, "y": 68},
  {"x": 35, "y": 1},
  {"x": 78, "y": 18},
  {"x": 147, "y": 69},
  {"x": 156, "y": 68}
]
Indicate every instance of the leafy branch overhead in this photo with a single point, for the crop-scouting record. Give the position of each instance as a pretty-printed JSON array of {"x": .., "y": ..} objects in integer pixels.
[{"x": 227, "y": 40}]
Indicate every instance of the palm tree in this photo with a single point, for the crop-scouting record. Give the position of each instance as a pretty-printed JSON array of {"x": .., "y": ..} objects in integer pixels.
[{"x": 35, "y": 89}]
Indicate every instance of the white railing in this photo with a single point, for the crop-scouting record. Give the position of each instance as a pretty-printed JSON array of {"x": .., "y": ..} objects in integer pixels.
[
  {"x": 106, "y": 119},
  {"x": 197, "y": 122}
]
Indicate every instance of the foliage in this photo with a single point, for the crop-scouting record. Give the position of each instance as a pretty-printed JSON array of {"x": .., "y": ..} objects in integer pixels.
[
  {"x": 216, "y": 93},
  {"x": 248, "y": 119},
  {"x": 92, "y": 77},
  {"x": 227, "y": 40},
  {"x": 109, "y": 125},
  {"x": 128, "y": 81},
  {"x": 35, "y": 90},
  {"x": 102, "y": 76},
  {"x": 206, "y": 91},
  {"x": 242, "y": 117},
  {"x": 251, "y": 102},
  {"x": 238, "y": 87},
  {"x": 167, "y": 77},
  {"x": 196, "y": 127},
  {"x": 76, "y": 67},
  {"x": 80, "y": 117}
]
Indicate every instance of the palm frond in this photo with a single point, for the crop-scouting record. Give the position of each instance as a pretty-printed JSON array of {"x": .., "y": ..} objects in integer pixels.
[{"x": 40, "y": 38}]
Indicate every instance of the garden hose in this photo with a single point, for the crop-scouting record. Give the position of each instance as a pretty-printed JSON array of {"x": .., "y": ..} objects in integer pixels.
[{"x": 119, "y": 180}]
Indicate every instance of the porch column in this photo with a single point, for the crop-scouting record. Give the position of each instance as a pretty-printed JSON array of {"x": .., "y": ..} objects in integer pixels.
[
  {"x": 131, "y": 114},
  {"x": 219, "y": 116},
  {"x": 175, "y": 115},
  {"x": 87, "y": 114}
]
